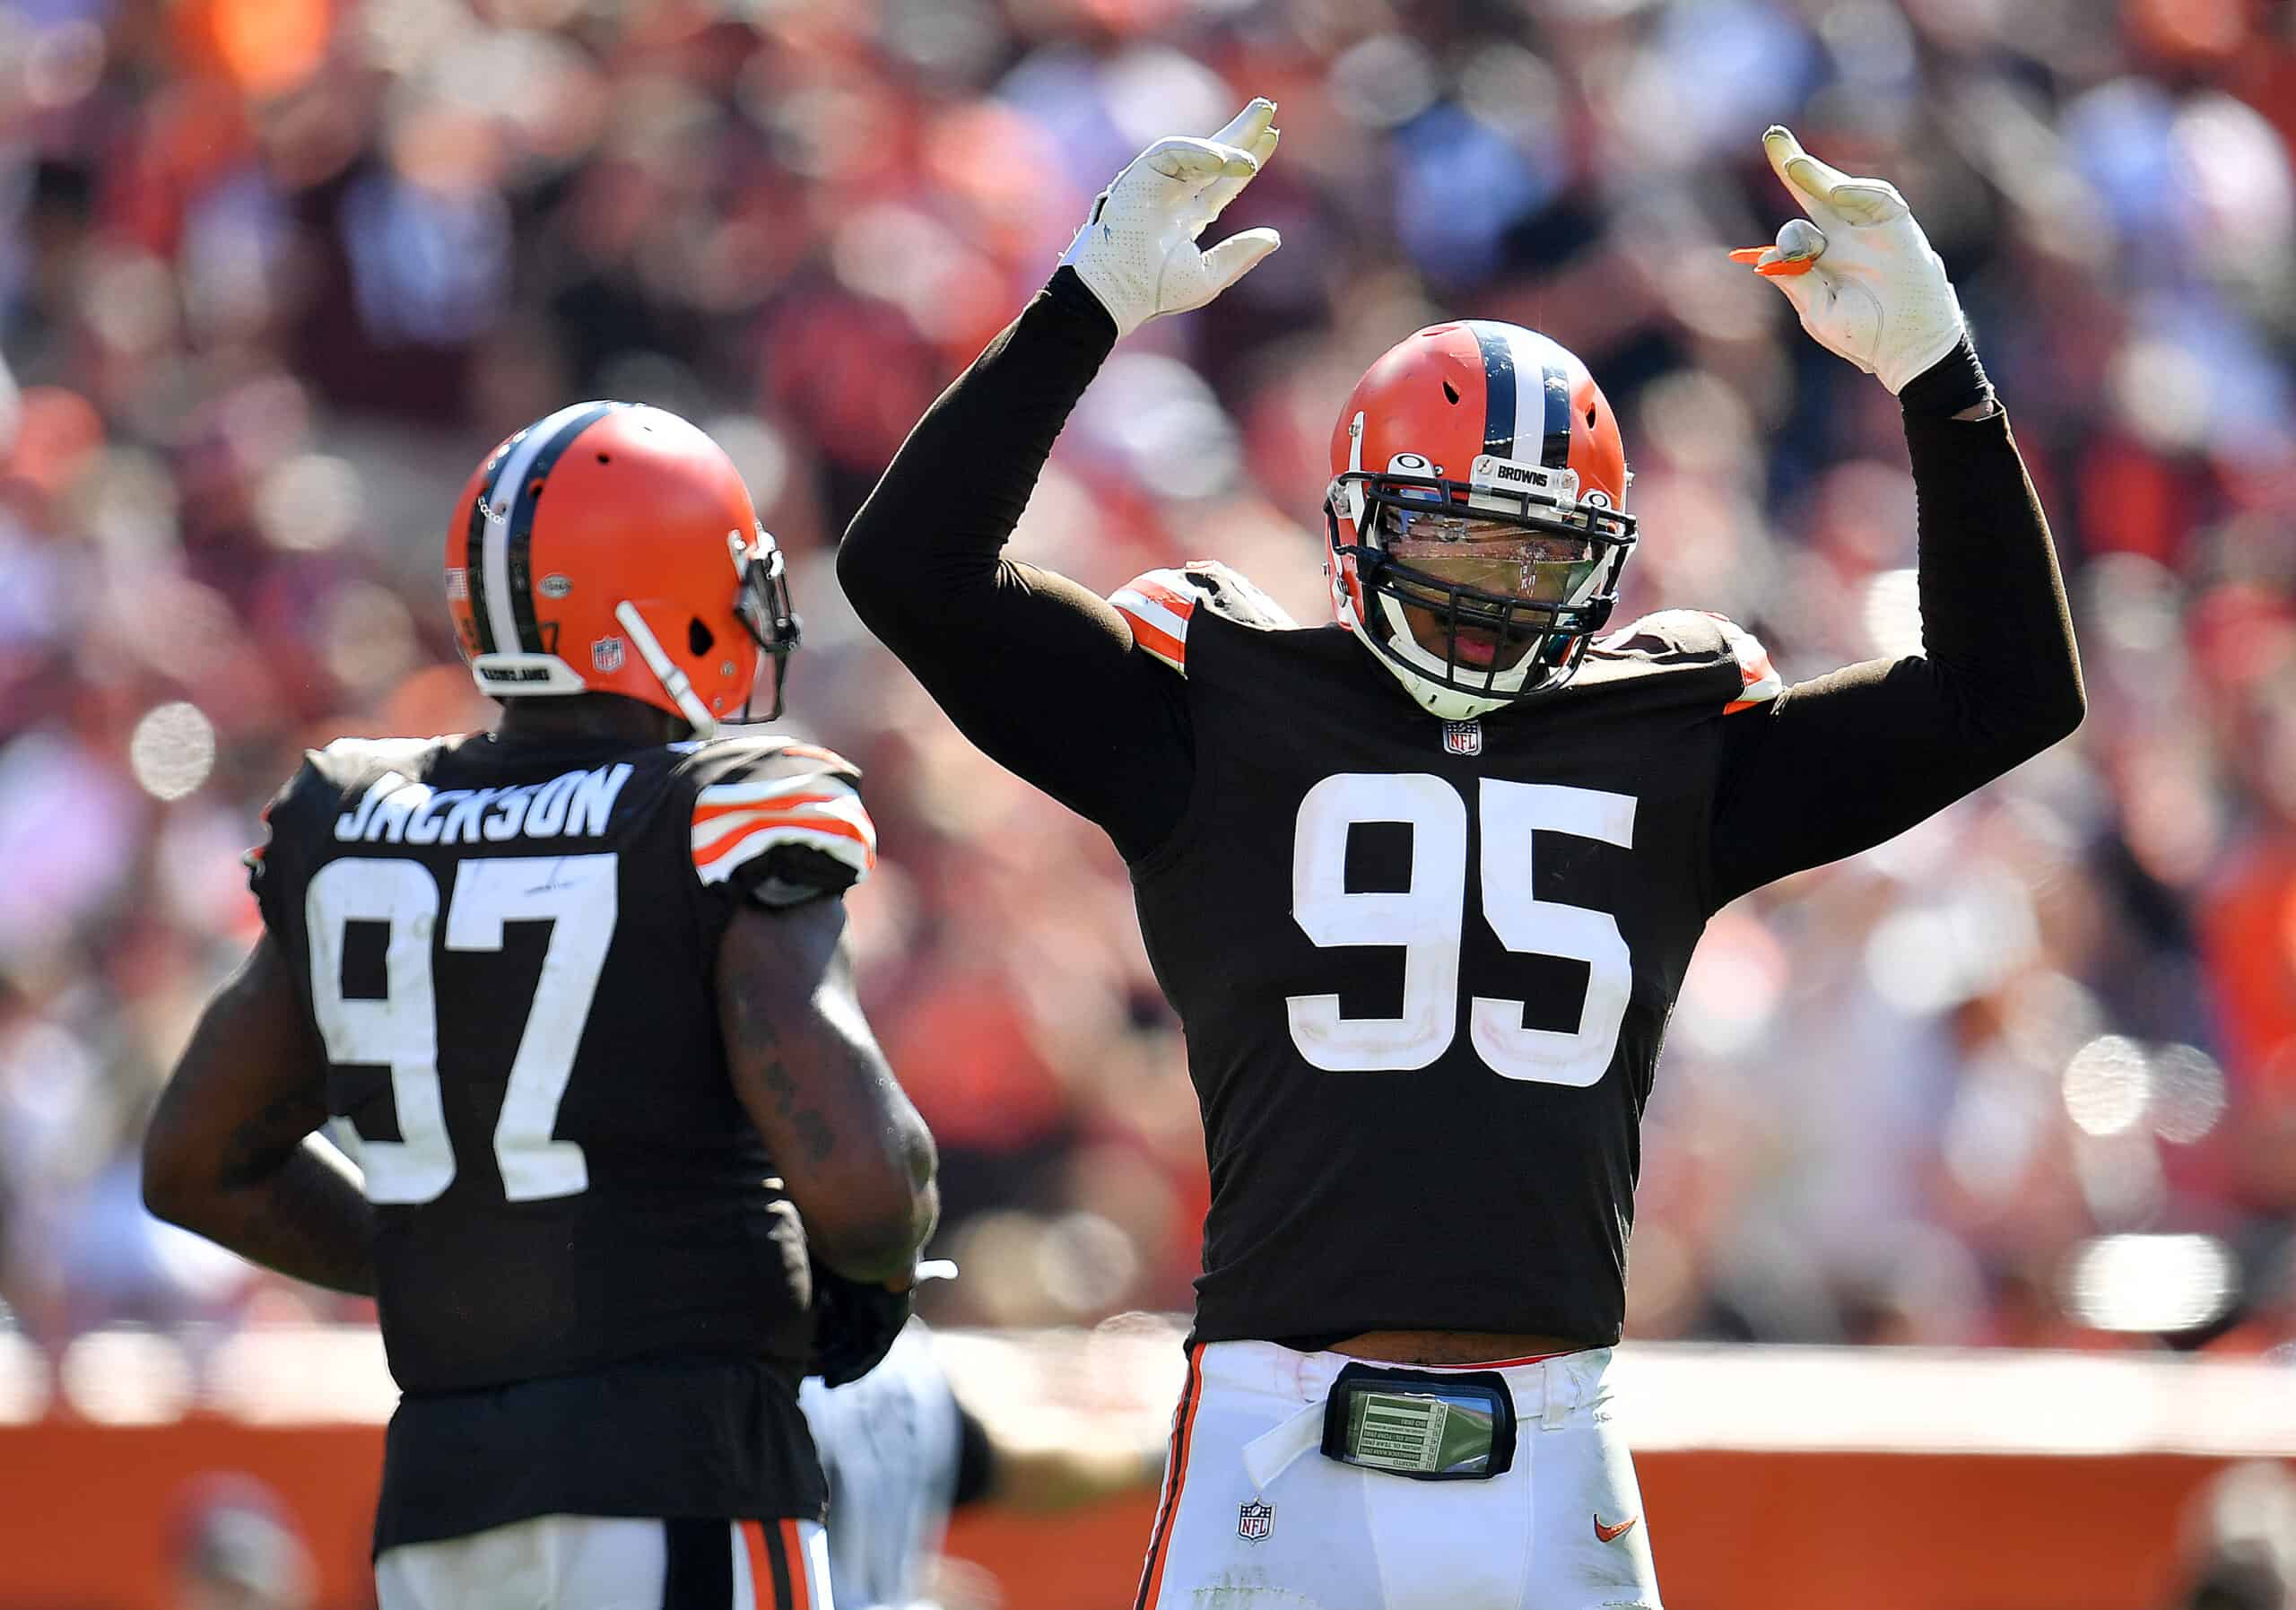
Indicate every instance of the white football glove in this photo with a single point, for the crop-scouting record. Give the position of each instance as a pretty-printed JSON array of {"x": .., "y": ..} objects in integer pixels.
[
  {"x": 1861, "y": 276},
  {"x": 1138, "y": 251}
]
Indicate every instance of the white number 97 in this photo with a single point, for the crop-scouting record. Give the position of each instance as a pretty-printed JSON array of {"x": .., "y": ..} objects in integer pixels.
[{"x": 1426, "y": 920}]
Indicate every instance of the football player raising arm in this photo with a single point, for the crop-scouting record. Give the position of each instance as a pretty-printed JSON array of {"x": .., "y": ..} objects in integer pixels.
[{"x": 1421, "y": 883}]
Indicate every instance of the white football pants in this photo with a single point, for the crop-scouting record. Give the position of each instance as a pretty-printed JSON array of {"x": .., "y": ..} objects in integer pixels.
[
  {"x": 602, "y": 1563},
  {"x": 1562, "y": 1530}
]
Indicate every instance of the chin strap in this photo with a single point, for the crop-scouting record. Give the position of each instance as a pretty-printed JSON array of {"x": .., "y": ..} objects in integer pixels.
[{"x": 674, "y": 681}]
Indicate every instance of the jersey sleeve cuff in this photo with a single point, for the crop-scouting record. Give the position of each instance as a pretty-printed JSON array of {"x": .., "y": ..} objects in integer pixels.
[
  {"x": 1946, "y": 451},
  {"x": 1068, "y": 295},
  {"x": 1952, "y": 385}
]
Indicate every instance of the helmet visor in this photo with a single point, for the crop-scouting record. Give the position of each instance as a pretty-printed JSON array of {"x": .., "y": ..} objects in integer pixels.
[
  {"x": 1490, "y": 591},
  {"x": 1493, "y": 557}
]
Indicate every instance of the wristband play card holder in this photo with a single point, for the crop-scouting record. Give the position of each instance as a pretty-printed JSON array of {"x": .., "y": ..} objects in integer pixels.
[{"x": 1450, "y": 1427}]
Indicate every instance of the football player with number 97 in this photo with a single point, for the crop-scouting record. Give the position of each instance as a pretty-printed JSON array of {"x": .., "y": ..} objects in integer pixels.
[
  {"x": 1421, "y": 882},
  {"x": 574, "y": 993}
]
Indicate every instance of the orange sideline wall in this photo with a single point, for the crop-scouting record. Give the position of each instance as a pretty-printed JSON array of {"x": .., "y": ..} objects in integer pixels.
[{"x": 84, "y": 1510}]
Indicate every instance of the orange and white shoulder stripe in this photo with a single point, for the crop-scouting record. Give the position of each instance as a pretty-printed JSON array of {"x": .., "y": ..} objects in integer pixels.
[
  {"x": 1158, "y": 606},
  {"x": 735, "y": 822},
  {"x": 1761, "y": 679}
]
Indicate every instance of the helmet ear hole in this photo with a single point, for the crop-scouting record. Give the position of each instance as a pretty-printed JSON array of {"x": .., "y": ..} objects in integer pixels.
[
  {"x": 1452, "y": 392},
  {"x": 699, "y": 639}
]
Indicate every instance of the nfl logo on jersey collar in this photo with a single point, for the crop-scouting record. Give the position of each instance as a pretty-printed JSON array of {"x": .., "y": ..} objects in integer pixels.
[
  {"x": 1463, "y": 737},
  {"x": 1255, "y": 1519}
]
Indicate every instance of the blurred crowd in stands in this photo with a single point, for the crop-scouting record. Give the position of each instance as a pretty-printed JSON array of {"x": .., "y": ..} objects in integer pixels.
[{"x": 275, "y": 274}]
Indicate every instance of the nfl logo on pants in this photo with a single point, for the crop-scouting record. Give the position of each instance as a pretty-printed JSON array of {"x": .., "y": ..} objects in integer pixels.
[{"x": 1254, "y": 1520}]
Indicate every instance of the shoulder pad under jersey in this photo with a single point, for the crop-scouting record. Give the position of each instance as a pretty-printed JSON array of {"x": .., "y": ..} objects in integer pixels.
[
  {"x": 331, "y": 777},
  {"x": 1160, "y": 605},
  {"x": 350, "y": 764},
  {"x": 778, "y": 819},
  {"x": 1692, "y": 636},
  {"x": 319, "y": 788}
]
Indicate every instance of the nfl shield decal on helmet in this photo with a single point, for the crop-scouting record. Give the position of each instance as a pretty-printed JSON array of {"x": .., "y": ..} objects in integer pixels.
[
  {"x": 1463, "y": 737},
  {"x": 1254, "y": 1520},
  {"x": 605, "y": 654}
]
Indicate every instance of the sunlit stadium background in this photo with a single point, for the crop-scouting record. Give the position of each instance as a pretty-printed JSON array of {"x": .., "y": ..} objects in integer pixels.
[{"x": 273, "y": 273}]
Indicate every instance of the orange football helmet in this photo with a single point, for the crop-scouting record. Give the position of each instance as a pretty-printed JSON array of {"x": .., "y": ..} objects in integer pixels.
[
  {"x": 1477, "y": 513},
  {"x": 612, "y": 548}
]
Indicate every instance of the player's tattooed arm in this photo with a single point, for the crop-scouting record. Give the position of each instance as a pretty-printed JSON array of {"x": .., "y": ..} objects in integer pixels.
[
  {"x": 230, "y": 1154},
  {"x": 857, "y": 1158}
]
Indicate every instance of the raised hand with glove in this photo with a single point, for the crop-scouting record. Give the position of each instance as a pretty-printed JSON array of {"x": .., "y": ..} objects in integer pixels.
[
  {"x": 1137, "y": 252},
  {"x": 1866, "y": 284}
]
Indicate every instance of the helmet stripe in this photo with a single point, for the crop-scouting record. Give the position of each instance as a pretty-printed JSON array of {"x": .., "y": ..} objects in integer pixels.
[
  {"x": 1499, "y": 388},
  {"x": 474, "y": 550},
  {"x": 518, "y": 540},
  {"x": 1538, "y": 358},
  {"x": 510, "y": 600}
]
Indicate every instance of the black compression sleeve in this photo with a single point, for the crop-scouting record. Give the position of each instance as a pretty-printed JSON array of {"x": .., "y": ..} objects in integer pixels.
[
  {"x": 1841, "y": 764},
  {"x": 1035, "y": 669},
  {"x": 1954, "y": 384}
]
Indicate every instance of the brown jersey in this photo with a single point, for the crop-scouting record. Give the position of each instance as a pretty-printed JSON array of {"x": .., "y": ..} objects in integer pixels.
[
  {"x": 1424, "y": 968},
  {"x": 582, "y": 1252},
  {"x": 1424, "y": 972}
]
